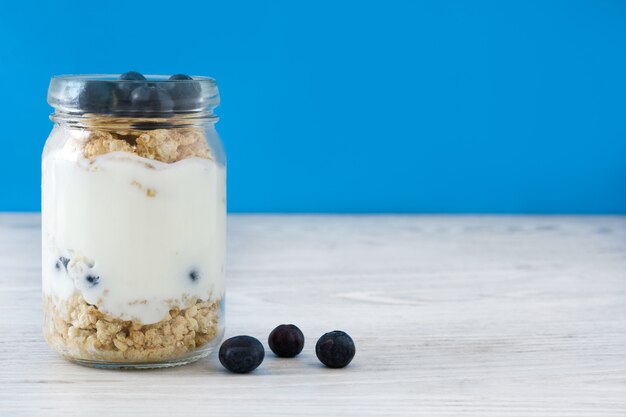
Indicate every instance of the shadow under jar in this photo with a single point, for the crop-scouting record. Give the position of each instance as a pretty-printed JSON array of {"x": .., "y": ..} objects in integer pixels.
[{"x": 133, "y": 221}]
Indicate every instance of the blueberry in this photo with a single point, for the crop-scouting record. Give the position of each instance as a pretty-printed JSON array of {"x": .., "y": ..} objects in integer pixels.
[
  {"x": 64, "y": 261},
  {"x": 241, "y": 354},
  {"x": 180, "y": 77},
  {"x": 96, "y": 97},
  {"x": 186, "y": 93},
  {"x": 194, "y": 275},
  {"x": 151, "y": 98},
  {"x": 335, "y": 349},
  {"x": 92, "y": 280},
  {"x": 122, "y": 90},
  {"x": 61, "y": 262},
  {"x": 132, "y": 76},
  {"x": 286, "y": 341}
]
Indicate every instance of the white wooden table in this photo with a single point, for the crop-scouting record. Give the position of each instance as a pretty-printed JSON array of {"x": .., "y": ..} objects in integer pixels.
[{"x": 451, "y": 316}]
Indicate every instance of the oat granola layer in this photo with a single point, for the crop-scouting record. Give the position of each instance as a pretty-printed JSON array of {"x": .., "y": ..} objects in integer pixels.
[
  {"x": 79, "y": 330},
  {"x": 165, "y": 145}
]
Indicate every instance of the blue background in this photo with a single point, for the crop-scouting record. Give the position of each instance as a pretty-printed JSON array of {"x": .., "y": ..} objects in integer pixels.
[{"x": 328, "y": 106}]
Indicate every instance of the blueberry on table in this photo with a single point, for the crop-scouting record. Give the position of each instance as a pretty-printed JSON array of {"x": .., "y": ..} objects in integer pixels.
[
  {"x": 152, "y": 98},
  {"x": 241, "y": 354},
  {"x": 132, "y": 76},
  {"x": 286, "y": 340},
  {"x": 335, "y": 349},
  {"x": 96, "y": 97}
]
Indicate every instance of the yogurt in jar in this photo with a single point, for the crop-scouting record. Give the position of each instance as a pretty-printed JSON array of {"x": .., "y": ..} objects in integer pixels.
[{"x": 131, "y": 234}]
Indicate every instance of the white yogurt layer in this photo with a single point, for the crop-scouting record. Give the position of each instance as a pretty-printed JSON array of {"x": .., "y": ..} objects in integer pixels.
[{"x": 138, "y": 236}]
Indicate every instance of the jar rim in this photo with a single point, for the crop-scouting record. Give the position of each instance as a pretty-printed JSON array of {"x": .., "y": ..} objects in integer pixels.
[
  {"x": 115, "y": 78},
  {"x": 155, "y": 96}
]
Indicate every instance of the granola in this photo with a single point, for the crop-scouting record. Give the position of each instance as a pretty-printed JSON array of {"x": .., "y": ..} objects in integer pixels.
[
  {"x": 165, "y": 145},
  {"x": 79, "y": 330}
]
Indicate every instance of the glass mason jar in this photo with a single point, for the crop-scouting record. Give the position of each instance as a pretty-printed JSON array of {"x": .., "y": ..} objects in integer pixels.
[{"x": 133, "y": 221}]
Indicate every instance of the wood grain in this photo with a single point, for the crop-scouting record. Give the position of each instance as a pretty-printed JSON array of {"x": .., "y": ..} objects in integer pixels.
[{"x": 452, "y": 316}]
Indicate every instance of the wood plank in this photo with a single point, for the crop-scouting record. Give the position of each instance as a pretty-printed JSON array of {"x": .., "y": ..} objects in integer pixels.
[{"x": 452, "y": 315}]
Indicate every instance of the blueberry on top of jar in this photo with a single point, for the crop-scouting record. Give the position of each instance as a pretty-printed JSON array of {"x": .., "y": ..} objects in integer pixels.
[
  {"x": 97, "y": 97},
  {"x": 134, "y": 94},
  {"x": 122, "y": 90},
  {"x": 132, "y": 76},
  {"x": 151, "y": 97},
  {"x": 187, "y": 95},
  {"x": 180, "y": 77}
]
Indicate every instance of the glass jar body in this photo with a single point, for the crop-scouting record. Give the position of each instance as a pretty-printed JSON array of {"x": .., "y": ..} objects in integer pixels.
[{"x": 133, "y": 242}]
